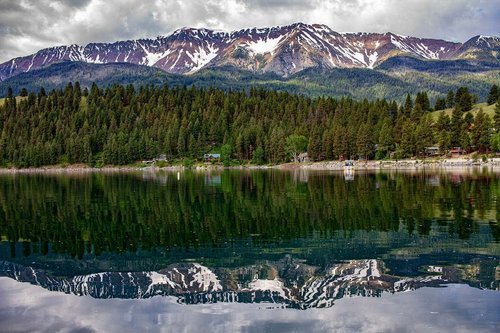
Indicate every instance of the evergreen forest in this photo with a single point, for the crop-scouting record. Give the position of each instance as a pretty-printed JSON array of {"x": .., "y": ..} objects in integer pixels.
[{"x": 121, "y": 125}]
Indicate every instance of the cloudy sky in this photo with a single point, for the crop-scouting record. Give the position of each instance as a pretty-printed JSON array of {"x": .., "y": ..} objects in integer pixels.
[
  {"x": 29, "y": 25},
  {"x": 28, "y": 308}
]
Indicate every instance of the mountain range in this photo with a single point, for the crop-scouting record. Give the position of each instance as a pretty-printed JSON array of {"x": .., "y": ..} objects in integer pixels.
[
  {"x": 289, "y": 282},
  {"x": 284, "y": 52}
]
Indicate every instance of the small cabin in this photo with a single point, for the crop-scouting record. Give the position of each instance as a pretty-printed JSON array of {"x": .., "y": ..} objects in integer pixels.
[
  {"x": 211, "y": 157},
  {"x": 457, "y": 152},
  {"x": 303, "y": 157},
  {"x": 431, "y": 151},
  {"x": 162, "y": 158}
]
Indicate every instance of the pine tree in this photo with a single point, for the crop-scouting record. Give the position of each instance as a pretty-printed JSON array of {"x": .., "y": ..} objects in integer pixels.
[
  {"x": 364, "y": 143},
  {"x": 442, "y": 132},
  {"x": 327, "y": 144},
  {"x": 440, "y": 104},
  {"x": 258, "y": 156},
  {"x": 192, "y": 146},
  {"x": 407, "y": 145},
  {"x": 276, "y": 147},
  {"x": 10, "y": 101},
  {"x": 422, "y": 99},
  {"x": 450, "y": 99},
  {"x": 481, "y": 131},
  {"x": 386, "y": 139},
  {"x": 181, "y": 142},
  {"x": 456, "y": 125},
  {"x": 314, "y": 149},
  {"x": 424, "y": 136},
  {"x": 393, "y": 110},
  {"x": 468, "y": 119},
  {"x": 225, "y": 154},
  {"x": 464, "y": 99},
  {"x": 496, "y": 117},
  {"x": 465, "y": 138},
  {"x": 417, "y": 113},
  {"x": 495, "y": 142},
  {"x": 408, "y": 106},
  {"x": 494, "y": 95}
]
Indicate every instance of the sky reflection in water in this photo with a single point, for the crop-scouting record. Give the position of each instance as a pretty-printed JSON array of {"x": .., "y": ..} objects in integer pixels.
[{"x": 247, "y": 250}]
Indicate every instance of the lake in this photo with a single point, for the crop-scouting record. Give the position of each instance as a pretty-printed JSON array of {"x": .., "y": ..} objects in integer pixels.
[{"x": 250, "y": 251}]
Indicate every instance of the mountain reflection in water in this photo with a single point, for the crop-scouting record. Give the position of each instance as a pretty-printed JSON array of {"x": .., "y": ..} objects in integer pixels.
[
  {"x": 138, "y": 251},
  {"x": 287, "y": 282}
]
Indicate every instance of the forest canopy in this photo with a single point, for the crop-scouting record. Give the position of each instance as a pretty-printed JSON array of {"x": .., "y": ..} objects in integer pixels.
[{"x": 120, "y": 125}]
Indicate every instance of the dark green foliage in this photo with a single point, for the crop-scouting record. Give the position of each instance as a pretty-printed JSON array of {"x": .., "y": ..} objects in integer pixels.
[
  {"x": 315, "y": 148},
  {"x": 495, "y": 142},
  {"x": 450, "y": 99},
  {"x": 440, "y": 104},
  {"x": 464, "y": 99},
  {"x": 123, "y": 124},
  {"x": 496, "y": 117},
  {"x": 494, "y": 95},
  {"x": 443, "y": 131},
  {"x": 422, "y": 99},
  {"x": 97, "y": 213},
  {"x": 408, "y": 143},
  {"x": 357, "y": 83},
  {"x": 408, "y": 106},
  {"x": 385, "y": 139},
  {"x": 295, "y": 145},
  {"x": 424, "y": 135},
  {"x": 408, "y": 63},
  {"x": 364, "y": 143},
  {"x": 258, "y": 157},
  {"x": 225, "y": 156},
  {"x": 481, "y": 131},
  {"x": 456, "y": 125}
]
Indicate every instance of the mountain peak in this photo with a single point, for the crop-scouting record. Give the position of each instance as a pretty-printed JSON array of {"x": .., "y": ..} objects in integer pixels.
[{"x": 282, "y": 49}]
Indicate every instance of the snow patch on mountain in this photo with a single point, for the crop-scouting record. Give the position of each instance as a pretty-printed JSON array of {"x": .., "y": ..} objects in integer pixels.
[
  {"x": 152, "y": 58},
  {"x": 262, "y": 46},
  {"x": 188, "y": 50},
  {"x": 372, "y": 59},
  {"x": 158, "y": 279},
  {"x": 202, "y": 57},
  {"x": 268, "y": 285},
  {"x": 205, "y": 278}
]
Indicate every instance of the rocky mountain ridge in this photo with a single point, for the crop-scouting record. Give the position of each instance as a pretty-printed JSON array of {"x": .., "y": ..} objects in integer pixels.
[
  {"x": 287, "y": 282},
  {"x": 284, "y": 50}
]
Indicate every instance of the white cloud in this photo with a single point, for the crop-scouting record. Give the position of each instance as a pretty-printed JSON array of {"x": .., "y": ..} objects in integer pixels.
[
  {"x": 29, "y": 25},
  {"x": 27, "y": 308}
]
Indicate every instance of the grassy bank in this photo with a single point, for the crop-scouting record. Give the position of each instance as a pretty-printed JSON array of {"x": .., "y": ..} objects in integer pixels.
[{"x": 488, "y": 109}]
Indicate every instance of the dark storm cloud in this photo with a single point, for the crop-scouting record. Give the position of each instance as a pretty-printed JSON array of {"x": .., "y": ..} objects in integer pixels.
[{"x": 29, "y": 25}]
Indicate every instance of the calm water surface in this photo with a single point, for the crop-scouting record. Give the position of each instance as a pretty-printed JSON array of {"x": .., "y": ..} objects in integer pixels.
[{"x": 250, "y": 251}]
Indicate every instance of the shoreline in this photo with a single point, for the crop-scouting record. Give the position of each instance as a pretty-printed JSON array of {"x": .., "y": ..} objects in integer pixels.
[{"x": 407, "y": 164}]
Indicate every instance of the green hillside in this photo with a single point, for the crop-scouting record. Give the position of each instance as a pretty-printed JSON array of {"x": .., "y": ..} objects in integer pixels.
[
  {"x": 356, "y": 83},
  {"x": 18, "y": 98},
  {"x": 488, "y": 109}
]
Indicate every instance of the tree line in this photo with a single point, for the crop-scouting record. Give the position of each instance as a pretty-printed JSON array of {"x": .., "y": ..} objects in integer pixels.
[
  {"x": 191, "y": 212},
  {"x": 120, "y": 125}
]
